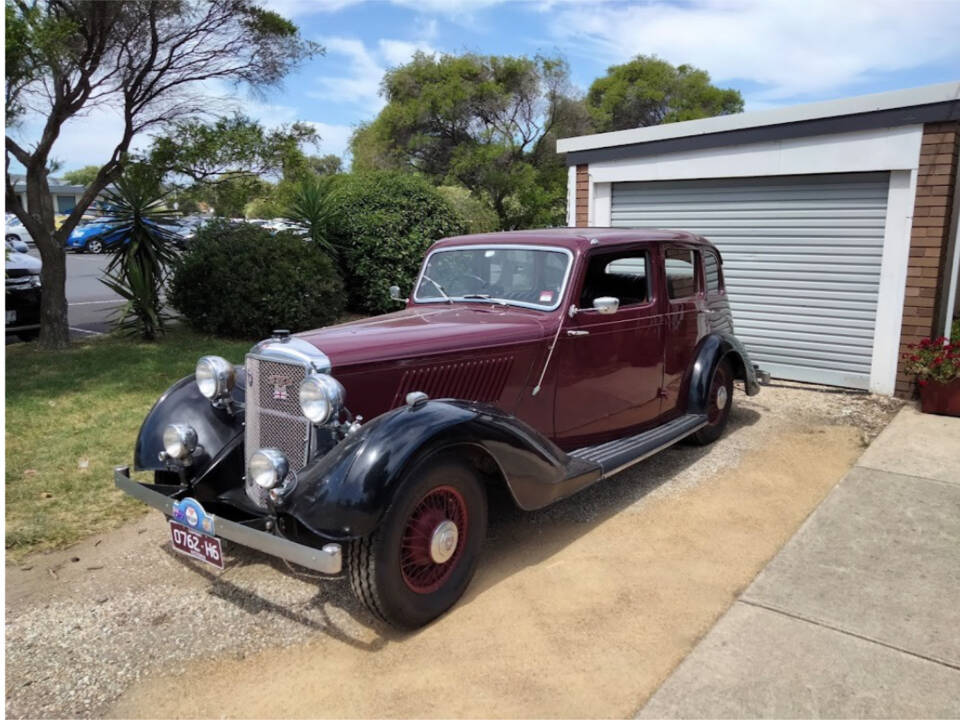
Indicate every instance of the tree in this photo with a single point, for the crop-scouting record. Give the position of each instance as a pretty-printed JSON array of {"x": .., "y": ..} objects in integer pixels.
[
  {"x": 152, "y": 60},
  {"x": 480, "y": 121},
  {"x": 650, "y": 91},
  {"x": 84, "y": 176},
  {"x": 311, "y": 209},
  {"x": 326, "y": 164}
]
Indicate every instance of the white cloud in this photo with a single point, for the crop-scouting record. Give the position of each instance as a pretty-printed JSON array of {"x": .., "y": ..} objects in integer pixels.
[
  {"x": 789, "y": 48},
  {"x": 333, "y": 138},
  {"x": 363, "y": 69},
  {"x": 300, "y": 8}
]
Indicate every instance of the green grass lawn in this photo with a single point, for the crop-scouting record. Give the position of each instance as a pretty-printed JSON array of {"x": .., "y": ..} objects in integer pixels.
[{"x": 73, "y": 416}]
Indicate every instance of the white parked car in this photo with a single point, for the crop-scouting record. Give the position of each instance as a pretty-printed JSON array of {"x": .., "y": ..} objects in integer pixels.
[{"x": 14, "y": 231}]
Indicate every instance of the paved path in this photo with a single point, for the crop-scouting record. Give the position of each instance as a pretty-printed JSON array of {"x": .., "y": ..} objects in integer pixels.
[{"x": 859, "y": 614}]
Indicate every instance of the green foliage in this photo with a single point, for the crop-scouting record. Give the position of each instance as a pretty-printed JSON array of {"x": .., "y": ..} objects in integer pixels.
[
  {"x": 238, "y": 280},
  {"x": 483, "y": 122},
  {"x": 326, "y": 164},
  {"x": 933, "y": 360},
  {"x": 650, "y": 91},
  {"x": 311, "y": 208},
  {"x": 382, "y": 225},
  {"x": 477, "y": 216},
  {"x": 83, "y": 176},
  {"x": 138, "y": 269}
]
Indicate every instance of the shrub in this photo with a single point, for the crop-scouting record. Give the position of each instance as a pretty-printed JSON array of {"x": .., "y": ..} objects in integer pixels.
[
  {"x": 477, "y": 215},
  {"x": 382, "y": 224},
  {"x": 238, "y": 280}
]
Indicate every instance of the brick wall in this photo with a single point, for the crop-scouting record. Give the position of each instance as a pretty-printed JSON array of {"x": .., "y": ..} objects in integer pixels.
[
  {"x": 928, "y": 238},
  {"x": 583, "y": 196}
]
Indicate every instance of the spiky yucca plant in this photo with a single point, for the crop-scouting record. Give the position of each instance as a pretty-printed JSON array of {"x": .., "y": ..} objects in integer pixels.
[
  {"x": 134, "y": 206},
  {"x": 311, "y": 208}
]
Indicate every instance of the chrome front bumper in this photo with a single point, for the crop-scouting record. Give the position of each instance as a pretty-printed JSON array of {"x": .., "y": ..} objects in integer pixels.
[{"x": 327, "y": 560}]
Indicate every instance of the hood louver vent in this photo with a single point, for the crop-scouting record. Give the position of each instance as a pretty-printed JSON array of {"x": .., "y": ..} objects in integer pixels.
[{"x": 477, "y": 380}]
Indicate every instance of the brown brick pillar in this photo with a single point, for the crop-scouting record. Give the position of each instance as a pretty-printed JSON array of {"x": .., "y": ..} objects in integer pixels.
[
  {"x": 582, "y": 196},
  {"x": 926, "y": 269}
]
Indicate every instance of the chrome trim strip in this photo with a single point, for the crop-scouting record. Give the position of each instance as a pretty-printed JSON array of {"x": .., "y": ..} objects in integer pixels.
[
  {"x": 497, "y": 301},
  {"x": 653, "y": 452},
  {"x": 292, "y": 350},
  {"x": 327, "y": 560}
]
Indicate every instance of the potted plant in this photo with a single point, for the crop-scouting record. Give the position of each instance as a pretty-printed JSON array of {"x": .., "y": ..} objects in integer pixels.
[{"x": 936, "y": 363}]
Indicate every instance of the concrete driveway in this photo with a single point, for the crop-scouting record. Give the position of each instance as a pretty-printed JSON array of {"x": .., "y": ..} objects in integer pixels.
[
  {"x": 579, "y": 610},
  {"x": 859, "y": 615}
]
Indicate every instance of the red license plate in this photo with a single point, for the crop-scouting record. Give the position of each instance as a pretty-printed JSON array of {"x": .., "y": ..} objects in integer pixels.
[{"x": 197, "y": 545}]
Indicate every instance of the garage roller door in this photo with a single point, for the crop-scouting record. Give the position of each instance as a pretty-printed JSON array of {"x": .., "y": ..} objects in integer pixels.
[{"x": 801, "y": 259}]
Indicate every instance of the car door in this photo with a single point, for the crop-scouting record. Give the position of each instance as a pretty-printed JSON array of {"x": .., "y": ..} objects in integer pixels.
[
  {"x": 683, "y": 282},
  {"x": 610, "y": 366}
]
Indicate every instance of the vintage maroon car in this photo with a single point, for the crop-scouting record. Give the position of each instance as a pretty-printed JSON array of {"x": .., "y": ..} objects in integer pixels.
[{"x": 541, "y": 361}]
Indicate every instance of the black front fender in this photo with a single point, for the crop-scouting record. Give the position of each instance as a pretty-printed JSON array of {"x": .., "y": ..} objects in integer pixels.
[
  {"x": 345, "y": 493},
  {"x": 217, "y": 429}
]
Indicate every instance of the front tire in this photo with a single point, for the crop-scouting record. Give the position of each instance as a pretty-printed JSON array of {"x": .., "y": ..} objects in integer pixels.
[
  {"x": 719, "y": 402},
  {"x": 95, "y": 246},
  {"x": 421, "y": 558}
]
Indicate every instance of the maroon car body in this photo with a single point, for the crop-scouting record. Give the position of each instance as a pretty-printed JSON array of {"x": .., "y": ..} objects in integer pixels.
[{"x": 539, "y": 360}]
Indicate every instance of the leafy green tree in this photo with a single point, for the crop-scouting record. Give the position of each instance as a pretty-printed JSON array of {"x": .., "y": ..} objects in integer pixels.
[
  {"x": 480, "y": 121},
  {"x": 134, "y": 206},
  {"x": 477, "y": 216},
  {"x": 326, "y": 164},
  {"x": 650, "y": 91},
  {"x": 84, "y": 176},
  {"x": 151, "y": 60}
]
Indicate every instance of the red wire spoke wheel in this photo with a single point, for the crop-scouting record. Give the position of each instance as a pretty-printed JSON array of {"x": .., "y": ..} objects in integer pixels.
[{"x": 433, "y": 539}]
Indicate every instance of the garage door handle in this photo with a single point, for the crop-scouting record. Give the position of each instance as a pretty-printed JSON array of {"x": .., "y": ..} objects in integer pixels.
[{"x": 578, "y": 332}]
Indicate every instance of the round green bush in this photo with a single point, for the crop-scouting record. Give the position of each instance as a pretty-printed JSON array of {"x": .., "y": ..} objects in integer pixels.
[
  {"x": 238, "y": 280},
  {"x": 382, "y": 224}
]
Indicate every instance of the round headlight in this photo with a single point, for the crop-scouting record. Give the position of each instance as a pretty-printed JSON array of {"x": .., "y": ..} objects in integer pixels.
[
  {"x": 321, "y": 398},
  {"x": 268, "y": 467},
  {"x": 214, "y": 376},
  {"x": 179, "y": 441}
]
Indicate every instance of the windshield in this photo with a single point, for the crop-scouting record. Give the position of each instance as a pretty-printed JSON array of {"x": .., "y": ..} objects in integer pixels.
[{"x": 515, "y": 276}]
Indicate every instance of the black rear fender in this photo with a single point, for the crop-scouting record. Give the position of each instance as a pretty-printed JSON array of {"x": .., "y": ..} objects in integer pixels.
[
  {"x": 712, "y": 350},
  {"x": 345, "y": 493}
]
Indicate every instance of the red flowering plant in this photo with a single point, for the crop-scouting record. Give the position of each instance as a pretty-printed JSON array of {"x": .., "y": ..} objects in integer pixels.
[{"x": 933, "y": 360}]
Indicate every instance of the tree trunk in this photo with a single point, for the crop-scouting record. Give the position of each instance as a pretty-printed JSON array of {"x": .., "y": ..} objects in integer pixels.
[{"x": 54, "y": 325}]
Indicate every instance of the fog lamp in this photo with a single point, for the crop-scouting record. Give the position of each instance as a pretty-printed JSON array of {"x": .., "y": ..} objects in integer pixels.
[
  {"x": 268, "y": 467},
  {"x": 179, "y": 441}
]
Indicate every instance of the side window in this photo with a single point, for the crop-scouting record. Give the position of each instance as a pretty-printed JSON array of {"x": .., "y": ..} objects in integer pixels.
[
  {"x": 711, "y": 271},
  {"x": 681, "y": 271},
  {"x": 619, "y": 275}
]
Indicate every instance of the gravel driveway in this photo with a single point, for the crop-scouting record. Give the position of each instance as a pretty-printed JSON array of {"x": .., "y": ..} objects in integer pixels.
[{"x": 580, "y": 609}]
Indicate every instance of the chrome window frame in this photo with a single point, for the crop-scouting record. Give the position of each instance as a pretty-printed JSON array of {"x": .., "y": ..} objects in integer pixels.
[{"x": 498, "y": 301}]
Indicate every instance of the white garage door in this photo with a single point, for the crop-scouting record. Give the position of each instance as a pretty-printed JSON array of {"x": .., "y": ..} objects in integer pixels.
[{"x": 801, "y": 257}]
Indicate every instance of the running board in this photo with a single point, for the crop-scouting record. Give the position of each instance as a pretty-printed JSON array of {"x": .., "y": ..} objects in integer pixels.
[{"x": 618, "y": 455}]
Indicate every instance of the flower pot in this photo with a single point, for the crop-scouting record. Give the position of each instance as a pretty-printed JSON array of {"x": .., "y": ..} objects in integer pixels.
[{"x": 941, "y": 398}]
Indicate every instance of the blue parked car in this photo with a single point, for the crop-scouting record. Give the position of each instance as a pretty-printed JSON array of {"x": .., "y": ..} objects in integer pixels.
[{"x": 95, "y": 237}]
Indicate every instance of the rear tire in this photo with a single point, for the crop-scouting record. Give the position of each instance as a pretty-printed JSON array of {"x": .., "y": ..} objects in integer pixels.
[
  {"x": 414, "y": 566},
  {"x": 719, "y": 402}
]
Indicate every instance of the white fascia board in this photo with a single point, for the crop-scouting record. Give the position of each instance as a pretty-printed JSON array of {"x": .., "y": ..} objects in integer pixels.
[
  {"x": 926, "y": 95},
  {"x": 896, "y": 148}
]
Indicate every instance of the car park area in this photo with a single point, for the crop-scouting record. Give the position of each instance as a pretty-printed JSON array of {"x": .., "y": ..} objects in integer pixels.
[{"x": 582, "y": 609}]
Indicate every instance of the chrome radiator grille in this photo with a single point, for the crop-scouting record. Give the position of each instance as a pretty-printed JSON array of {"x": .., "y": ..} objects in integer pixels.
[{"x": 273, "y": 416}]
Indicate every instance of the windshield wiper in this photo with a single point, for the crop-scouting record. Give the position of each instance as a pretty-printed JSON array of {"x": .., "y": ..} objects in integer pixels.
[
  {"x": 438, "y": 286},
  {"x": 475, "y": 296}
]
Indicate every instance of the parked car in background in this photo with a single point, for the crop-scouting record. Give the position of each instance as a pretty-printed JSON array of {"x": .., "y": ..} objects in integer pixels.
[
  {"x": 94, "y": 236},
  {"x": 23, "y": 292},
  {"x": 13, "y": 230},
  {"x": 539, "y": 362},
  {"x": 186, "y": 228}
]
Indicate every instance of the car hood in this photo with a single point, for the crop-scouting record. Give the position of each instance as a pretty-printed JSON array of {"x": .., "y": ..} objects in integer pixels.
[
  {"x": 420, "y": 331},
  {"x": 23, "y": 261}
]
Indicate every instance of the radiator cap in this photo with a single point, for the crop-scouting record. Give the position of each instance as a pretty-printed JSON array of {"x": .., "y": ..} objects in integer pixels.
[{"x": 281, "y": 335}]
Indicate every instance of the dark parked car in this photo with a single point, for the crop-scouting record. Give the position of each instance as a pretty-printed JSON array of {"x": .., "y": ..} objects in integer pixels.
[
  {"x": 23, "y": 292},
  {"x": 539, "y": 361}
]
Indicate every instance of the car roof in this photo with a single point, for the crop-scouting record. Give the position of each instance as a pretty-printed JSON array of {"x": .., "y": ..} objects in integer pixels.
[{"x": 575, "y": 238}]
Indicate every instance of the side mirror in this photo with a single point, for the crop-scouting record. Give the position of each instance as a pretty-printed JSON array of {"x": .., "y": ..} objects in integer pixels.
[
  {"x": 606, "y": 305},
  {"x": 395, "y": 292}
]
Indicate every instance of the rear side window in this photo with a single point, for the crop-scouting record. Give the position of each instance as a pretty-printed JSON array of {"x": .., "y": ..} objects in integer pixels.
[
  {"x": 681, "y": 270},
  {"x": 711, "y": 271}
]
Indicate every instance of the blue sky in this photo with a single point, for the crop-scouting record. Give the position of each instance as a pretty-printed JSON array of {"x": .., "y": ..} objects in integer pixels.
[{"x": 776, "y": 52}]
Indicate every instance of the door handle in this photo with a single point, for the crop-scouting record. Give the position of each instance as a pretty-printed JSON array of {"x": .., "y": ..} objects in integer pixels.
[{"x": 578, "y": 332}]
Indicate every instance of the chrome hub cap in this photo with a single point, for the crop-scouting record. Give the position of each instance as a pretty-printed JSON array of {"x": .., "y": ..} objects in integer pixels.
[
  {"x": 721, "y": 397},
  {"x": 443, "y": 542}
]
